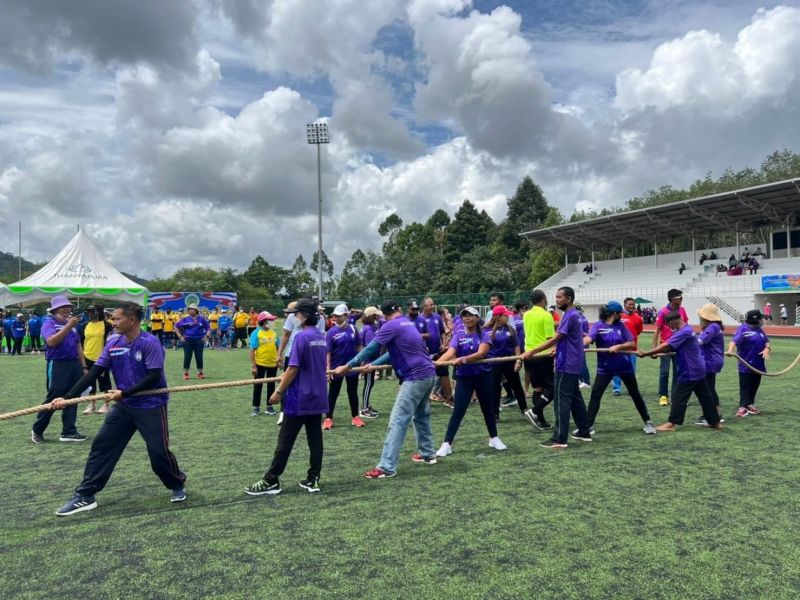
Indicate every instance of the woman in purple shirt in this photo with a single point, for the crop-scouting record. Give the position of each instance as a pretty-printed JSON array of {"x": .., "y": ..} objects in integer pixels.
[
  {"x": 753, "y": 346},
  {"x": 192, "y": 331},
  {"x": 712, "y": 343},
  {"x": 468, "y": 345},
  {"x": 611, "y": 334},
  {"x": 369, "y": 319},
  {"x": 343, "y": 344}
]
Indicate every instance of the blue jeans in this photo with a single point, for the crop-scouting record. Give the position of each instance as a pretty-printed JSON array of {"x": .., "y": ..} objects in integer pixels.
[
  {"x": 663, "y": 374},
  {"x": 413, "y": 406},
  {"x": 616, "y": 383}
]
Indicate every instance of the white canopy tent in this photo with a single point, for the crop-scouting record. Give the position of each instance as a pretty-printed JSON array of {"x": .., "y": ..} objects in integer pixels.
[{"x": 78, "y": 271}]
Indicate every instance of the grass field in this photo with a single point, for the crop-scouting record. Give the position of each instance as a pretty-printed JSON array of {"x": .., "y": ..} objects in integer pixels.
[{"x": 691, "y": 514}]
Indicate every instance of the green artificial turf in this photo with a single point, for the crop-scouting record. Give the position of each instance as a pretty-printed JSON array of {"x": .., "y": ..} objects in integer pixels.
[{"x": 691, "y": 514}]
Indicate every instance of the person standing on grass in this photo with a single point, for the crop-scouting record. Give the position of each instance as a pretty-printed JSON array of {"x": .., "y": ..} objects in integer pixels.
[
  {"x": 610, "y": 334},
  {"x": 691, "y": 373},
  {"x": 213, "y": 333},
  {"x": 192, "y": 331},
  {"x": 65, "y": 365},
  {"x": 469, "y": 345},
  {"x": 225, "y": 324},
  {"x": 264, "y": 359},
  {"x": 35, "y": 332},
  {"x": 369, "y": 328},
  {"x": 505, "y": 342},
  {"x": 169, "y": 329},
  {"x": 18, "y": 331},
  {"x": 240, "y": 321},
  {"x": 343, "y": 344},
  {"x": 752, "y": 344},
  {"x": 8, "y": 332},
  {"x": 568, "y": 341},
  {"x": 519, "y": 310},
  {"x": 539, "y": 329},
  {"x": 136, "y": 359},
  {"x": 712, "y": 343},
  {"x": 409, "y": 356},
  {"x": 94, "y": 335},
  {"x": 435, "y": 329},
  {"x": 633, "y": 321},
  {"x": 302, "y": 390},
  {"x": 156, "y": 324},
  {"x": 661, "y": 335},
  {"x": 252, "y": 322},
  {"x": 584, "y": 379}
]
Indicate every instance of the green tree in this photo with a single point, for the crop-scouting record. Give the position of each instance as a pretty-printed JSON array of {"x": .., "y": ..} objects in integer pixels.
[
  {"x": 527, "y": 210},
  {"x": 261, "y": 274},
  {"x": 469, "y": 229},
  {"x": 547, "y": 259}
]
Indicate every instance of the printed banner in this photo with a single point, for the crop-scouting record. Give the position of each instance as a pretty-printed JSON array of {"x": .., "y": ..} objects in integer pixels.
[
  {"x": 204, "y": 300},
  {"x": 779, "y": 283}
]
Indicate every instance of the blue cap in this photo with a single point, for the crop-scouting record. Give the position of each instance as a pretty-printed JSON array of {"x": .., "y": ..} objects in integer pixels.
[{"x": 614, "y": 306}]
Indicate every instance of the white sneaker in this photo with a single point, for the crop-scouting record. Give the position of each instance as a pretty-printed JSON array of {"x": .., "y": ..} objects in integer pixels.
[
  {"x": 575, "y": 431},
  {"x": 445, "y": 450},
  {"x": 280, "y": 418},
  {"x": 497, "y": 444},
  {"x": 583, "y": 385},
  {"x": 649, "y": 428},
  {"x": 529, "y": 416}
]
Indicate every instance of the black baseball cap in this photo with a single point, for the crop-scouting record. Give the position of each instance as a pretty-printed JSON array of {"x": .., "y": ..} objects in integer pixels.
[
  {"x": 753, "y": 316},
  {"x": 389, "y": 307},
  {"x": 307, "y": 306},
  {"x": 413, "y": 304}
]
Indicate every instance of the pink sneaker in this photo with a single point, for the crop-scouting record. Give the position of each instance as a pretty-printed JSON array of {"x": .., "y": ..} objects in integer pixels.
[
  {"x": 752, "y": 410},
  {"x": 742, "y": 412}
]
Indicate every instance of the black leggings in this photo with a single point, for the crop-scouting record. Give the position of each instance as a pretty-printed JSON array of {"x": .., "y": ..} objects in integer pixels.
[
  {"x": 601, "y": 382},
  {"x": 506, "y": 369},
  {"x": 711, "y": 383},
  {"x": 9, "y": 343},
  {"x": 262, "y": 372},
  {"x": 482, "y": 386},
  {"x": 192, "y": 347},
  {"x": 36, "y": 342},
  {"x": 369, "y": 381},
  {"x": 103, "y": 382},
  {"x": 335, "y": 387},
  {"x": 17, "y": 346},
  {"x": 290, "y": 427},
  {"x": 748, "y": 387}
]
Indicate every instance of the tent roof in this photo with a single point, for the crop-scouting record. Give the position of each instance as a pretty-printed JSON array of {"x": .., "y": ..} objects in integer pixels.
[
  {"x": 78, "y": 270},
  {"x": 776, "y": 204}
]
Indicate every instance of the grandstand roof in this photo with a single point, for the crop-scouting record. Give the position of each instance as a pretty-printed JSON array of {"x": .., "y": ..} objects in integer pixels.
[{"x": 776, "y": 204}]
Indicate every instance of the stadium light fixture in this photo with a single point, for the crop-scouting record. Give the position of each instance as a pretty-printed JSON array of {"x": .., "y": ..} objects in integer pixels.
[{"x": 317, "y": 133}]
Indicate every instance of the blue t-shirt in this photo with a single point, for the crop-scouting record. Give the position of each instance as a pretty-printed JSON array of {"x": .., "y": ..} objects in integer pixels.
[
  {"x": 712, "y": 342},
  {"x": 691, "y": 364},
  {"x": 35, "y": 326},
  {"x": 407, "y": 350},
  {"x": 605, "y": 335},
  {"x": 308, "y": 393},
  {"x": 466, "y": 343},
  {"x": 224, "y": 323},
  {"x": 569, "y": 350},
  {"x": 750, "y": 342},
  {"x": 18, "y": 329},
  {"x": 8, "y": 325},
  {"x": 129, "y": 363}
]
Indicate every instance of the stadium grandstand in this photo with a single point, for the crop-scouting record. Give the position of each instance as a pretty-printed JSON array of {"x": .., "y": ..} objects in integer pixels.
[{"x": 772, "y": 208}]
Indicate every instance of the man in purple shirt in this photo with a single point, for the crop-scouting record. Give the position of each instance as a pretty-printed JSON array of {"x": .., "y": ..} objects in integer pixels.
[
  {"x": 65, "y": 365},
  {"x": 691, "y": 373},
  {"x": 661, "y": 334},
  {"x": 303, "y": 389},
  {"x": 136, "y": 360},
  {"x": 435, "y": 328},
  {"x": 409, "y": 357},
  {"x": 568, "y": 341}
]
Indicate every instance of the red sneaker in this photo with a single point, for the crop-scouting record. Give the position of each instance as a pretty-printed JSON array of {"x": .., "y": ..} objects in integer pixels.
[
  {"x": 200, "y": 375},
  {"x": 752, "y": 410},
  {"x": 357, "y": 422},
  {"x": 742, "y": 412},
  {"x": 186, "y": 377},
  {"x": 327, "y": 424},
  {"x": 377, "y": 473},
  {"x": 418, "y": 458}
]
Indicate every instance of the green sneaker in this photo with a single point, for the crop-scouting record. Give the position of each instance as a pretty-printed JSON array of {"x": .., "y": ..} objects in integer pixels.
[
  {"x": 310, "y": 485},
  {"x": 262, "y": 486}
]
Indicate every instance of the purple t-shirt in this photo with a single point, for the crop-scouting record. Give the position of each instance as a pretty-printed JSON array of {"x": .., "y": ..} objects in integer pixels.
[
  {"x": 503, "y": 343},
  {"x": 129, "y": 363},
  {"x": 435, "y": 327},
  {"x": 407, "y": 350},
  {"x": 342, "y": 343},
  {"x": 569, "y": 350},
  {"x": 691, "y": 364},
  {"x": 605, "y": 335},
  {"x": 520, "y": 327},
  {"x": 368, "y": 333},
  {"x": 750, "y": 342},
  {"x": 466, "y": 343},
  {"x": 712, "y": 342},
  {"x": 308, "y": 393},
  {"x": 67, "y": 349},
  {"x": 193, "y": 328}
]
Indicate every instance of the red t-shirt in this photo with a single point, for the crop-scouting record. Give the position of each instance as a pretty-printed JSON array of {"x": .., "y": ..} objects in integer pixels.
[
  {"x": 635, "y": 325},
  {"x": 666, "y": 332}
]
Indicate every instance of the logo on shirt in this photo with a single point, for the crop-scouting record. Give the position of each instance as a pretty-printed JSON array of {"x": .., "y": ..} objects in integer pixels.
[
  {"x": 118, "y": 351},
  {"x": 138, "y": 356}
]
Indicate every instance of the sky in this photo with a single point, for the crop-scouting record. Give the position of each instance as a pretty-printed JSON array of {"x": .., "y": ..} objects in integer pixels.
[{"x": 174, "y": 132}]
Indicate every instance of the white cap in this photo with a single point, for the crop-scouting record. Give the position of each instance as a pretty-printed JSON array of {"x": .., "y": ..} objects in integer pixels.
[{"x": 341, "y": 309}]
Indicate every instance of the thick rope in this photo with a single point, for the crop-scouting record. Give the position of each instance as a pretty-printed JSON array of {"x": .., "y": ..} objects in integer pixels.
[{"x": 764, "y": 373}]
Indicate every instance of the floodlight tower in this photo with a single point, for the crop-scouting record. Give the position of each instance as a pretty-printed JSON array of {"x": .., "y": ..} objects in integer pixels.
[{"x": 317, "y": 133}]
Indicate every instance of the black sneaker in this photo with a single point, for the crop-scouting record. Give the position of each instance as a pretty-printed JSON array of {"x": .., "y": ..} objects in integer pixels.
[
  {"x": 310, "y": 485},
  {"x": 553, "y": 444},
  {"x": 261, "y": 487},
  {"x": 270, "y": 411},
  {"x": 508, "y": 401},
  {"x": 77, "y": 504},
  {"x": 178, "y": 495},
  {"x": 73, "y": 437},
  {"x": 368, "y": 413},
  {"x": 36, "y": 438},
  {"x": 587, "y": 437},
  {"x": 540, "y": 423}
]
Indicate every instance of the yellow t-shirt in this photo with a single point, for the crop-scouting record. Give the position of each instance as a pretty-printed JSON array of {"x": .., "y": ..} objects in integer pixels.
[
  {"x": 94, "y": 335},
  {"x": 265, "y": 344},
  {"x": 169, "y": 322},
  {"x": 157, "y": 321},
  {"x": 241, "y": 319},
  {"x": 213, "y": 321},
  {"x": 539, "y": 327}
]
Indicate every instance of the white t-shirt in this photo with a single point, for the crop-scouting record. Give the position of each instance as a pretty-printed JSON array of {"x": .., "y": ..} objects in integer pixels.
[{"x": 293, "y": 327}]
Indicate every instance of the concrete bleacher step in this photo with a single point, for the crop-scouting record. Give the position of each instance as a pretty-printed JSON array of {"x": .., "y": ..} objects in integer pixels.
[{"x": 727, "y": 308}]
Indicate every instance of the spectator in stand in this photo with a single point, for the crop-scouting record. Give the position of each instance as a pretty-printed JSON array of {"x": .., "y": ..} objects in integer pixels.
[
  {"x": 18, "y": 331},
  {"x": 712, "y": 256},
  {"x": 752, "y": 344},
  {"x": 784, "y": 314},
  {"x": 732, "y": 262},
  {"x": 193, "y": 330},
  {"x": 703, "y": 258},
  {"x": 94, "y": 335},
  {"x": 681, "y": 269},
  {"x": 264, "y": 360},
  {"x": 752, "y": 266},
  {"x": 631, "y": 319},
  {"x": 768, "y": 312},
  {"x": 758, "y": 252},
  {"x": 35, "y": 332},
  {"x": 661, "y": 336}
]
